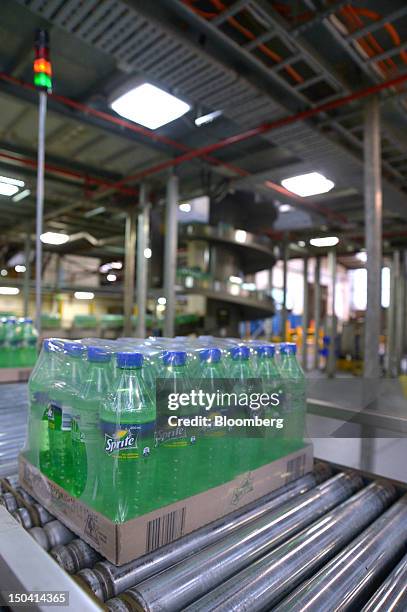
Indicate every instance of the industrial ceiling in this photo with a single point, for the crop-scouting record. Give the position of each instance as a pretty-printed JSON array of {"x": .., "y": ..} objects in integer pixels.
[{"x": 259, "y": 62}]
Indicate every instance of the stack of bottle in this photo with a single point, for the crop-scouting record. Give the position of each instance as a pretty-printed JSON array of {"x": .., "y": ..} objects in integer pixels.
[
  {"x": 18, "y": 343},
  {"x": 99, "y": 417}
]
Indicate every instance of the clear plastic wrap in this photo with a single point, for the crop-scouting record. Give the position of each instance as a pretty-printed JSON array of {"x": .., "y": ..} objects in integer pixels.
[{"x": 129, "y": 426}]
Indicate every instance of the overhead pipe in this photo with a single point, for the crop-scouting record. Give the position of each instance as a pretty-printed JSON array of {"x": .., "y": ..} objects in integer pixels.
[{"x": 59, "y": 170}]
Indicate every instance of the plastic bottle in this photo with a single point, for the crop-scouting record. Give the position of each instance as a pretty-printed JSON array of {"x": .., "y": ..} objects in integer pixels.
[
  {"x": 29, "y": 338},
  {"x": 94, "y": 390},
  {"x": 61, "y": 409},
  {"x": 178, "y": 457},
  {"x": 126, "y": 442},
  {"x": 40, "y": 383},
  {"x": 245, "y": 445},
  {"x": 3, "y": 343},
  {"x": 215, "y": 445},
  {"x": 10, "y": 342},
  {"x": 272, "y": 384},
  {"x": 294, "y": 406}
]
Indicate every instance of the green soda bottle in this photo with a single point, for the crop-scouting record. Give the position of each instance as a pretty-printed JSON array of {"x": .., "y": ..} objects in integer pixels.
[
  {"x": 85, "y": 424},
  {"x": 126, "y": 441},
  {"x": 29, "y": 338},
  {"x": 41, "y": 380},
  {"x": 2, "y": 343},
  {"x": 294, "y": 406},
  {"x": 10, "y": 343},
  {"x": 177, "y": 452},
  {"x": 60, "y": 411},
  {"x": 245, "y": 446},
  {"x": 215, "y": 444},
  {"x": 268, "y": 372}
]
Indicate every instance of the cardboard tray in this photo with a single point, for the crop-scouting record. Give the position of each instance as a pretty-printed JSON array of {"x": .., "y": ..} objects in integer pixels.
[{"x": 123, "y": 542}]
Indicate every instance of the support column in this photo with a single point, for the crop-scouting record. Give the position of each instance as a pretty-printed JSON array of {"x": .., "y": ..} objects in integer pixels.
[
  {"x": 40, "y": 208},
  {"x": 170, "y": 254},
  {"x": 317, "y": 308},
  {"x": 331, "y": 366},
  {"x": 305, "y": 316},
  {"x": 284, "y": 308},
  {"x": 143, "y": 235},
  {"x": 391, "y": 319},
  {"x": 129, "y": 270},
  {"x": 373, "y": 235},
  {"x": 400, "y": 313},
  {"x": 27, "y": 273}
]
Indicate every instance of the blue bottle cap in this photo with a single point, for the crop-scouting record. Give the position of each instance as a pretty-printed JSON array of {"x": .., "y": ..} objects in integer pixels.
[
  {"x": 174, "y": 358},
  {"x": 288, "y": 348},
  {"x": 266, "y": 350},
  {"x": 240, "y": 352},
  {"x": 98, "y": 354},
  {"x": 210, "y": 354},
  {"x": 28, "y": 320},
  {"x": 52, "y": 344},
  {"x": 74, "y": 349},
  {"x": 129, "y": 360}
]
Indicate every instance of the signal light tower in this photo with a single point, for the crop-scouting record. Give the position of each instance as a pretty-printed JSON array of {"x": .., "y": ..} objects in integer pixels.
[{"x": 42, "y": 64}]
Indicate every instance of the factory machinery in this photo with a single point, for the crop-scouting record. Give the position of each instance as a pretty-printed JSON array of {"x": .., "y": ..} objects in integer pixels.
[{"x": 335, "y": 539}]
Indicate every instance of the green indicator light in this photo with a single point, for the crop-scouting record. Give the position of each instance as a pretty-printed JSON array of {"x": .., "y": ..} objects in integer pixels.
[{"x": 42, "y": 80}]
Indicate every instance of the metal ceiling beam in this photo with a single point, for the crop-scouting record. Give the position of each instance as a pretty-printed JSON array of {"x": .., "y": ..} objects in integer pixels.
[{"x": 376, "y": 25}]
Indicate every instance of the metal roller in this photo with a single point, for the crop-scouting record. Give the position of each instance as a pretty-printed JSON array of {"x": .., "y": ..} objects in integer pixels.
[
  {"x": 264, "y": 583},
  {"x": 23, "y": 516},
  {"x": 192, "y": 578},
  {"x": 51, "y": 535},
  {"x": 348, "y": 580},
  {"x": 9, "y": 502},
  {"x": 392, "y": 595},
  {"x": 106, "y": 580},
  {"x": 24, "y": 495},
  {"x": 75, "y": 556},
  {"x": 42, "y": 515}
]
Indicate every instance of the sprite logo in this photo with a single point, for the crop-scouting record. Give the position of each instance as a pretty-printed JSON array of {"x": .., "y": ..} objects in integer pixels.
[{"x": 123, "y": 439}]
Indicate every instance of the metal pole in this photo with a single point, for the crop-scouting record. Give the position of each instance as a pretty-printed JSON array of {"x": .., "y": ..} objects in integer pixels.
[
  {"x": 373, "y": 236},
  {"x": 170, "y": 254},
  {"x": 391, "y": 318},
  {"x": 129, "y": 269},
  {"x": 400, "y": 313},
  {"x": 331, "y": 366},
  {"x": 317, "y": 308},
  {"x": 143, "y": 231},
  {"x": 284, "y": 309},
  {"x": 305, "y": 316},
  {"x": 40, "y": 207},
  {"x": 27, "y": 274}
]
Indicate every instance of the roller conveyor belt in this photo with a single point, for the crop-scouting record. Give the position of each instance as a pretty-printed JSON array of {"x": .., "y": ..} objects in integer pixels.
[{"x": 333, "y": 540}]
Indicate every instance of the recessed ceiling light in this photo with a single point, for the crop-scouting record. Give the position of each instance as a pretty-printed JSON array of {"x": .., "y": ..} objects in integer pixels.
[
  {"x": 111, "y": 278},
  {"x": 162, "y": 301},
  {"x": 7, "y": 190},
  {"x": 325, "y": 241},
  {"x": 186, "y": 207},
  {"x": 147, "y": 253},
  {"x": 9, "y": 291},
  {"x": 11, "y": 181},
  {"x": 20, "y": 196},
  {"x": 3, "y": 272},
  {"x": 235, "y": 279},
  {"x": 284, "y": 208},
  {"x": 208, "y": 118},
  {"x": 301, "y": 243},
  {"x": 240, "y": 235},
  {"x": 312, "y": 183},
  {"x": 362, "y": 256},
  {"x": 116, "y": 265},
  {"x": 20, "y": 268},
  {"x": 84, "y": 295},
  {"x": 150, "y": 106},
  {"x": 54, "y": 238}
]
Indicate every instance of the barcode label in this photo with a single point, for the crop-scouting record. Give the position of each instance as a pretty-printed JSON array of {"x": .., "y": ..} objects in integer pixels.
[
  {"x": 66, "y": 422},
  {"x": 165, "y": 529},
  {"x": 295, "y": 468}
]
